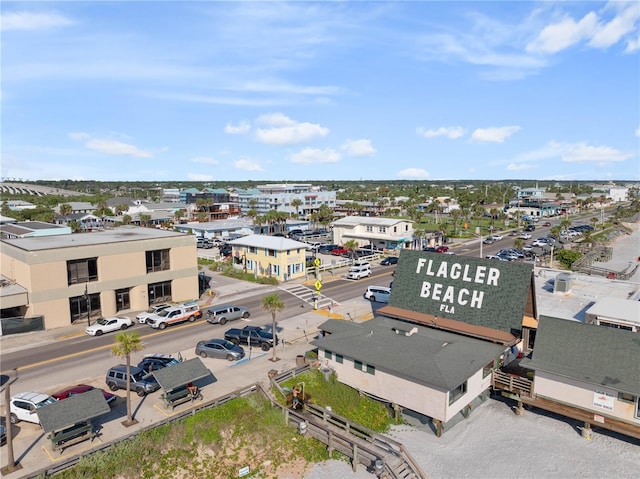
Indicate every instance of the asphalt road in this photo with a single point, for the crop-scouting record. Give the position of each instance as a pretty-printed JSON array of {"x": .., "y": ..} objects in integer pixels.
[{"x": 81, "y": 357}]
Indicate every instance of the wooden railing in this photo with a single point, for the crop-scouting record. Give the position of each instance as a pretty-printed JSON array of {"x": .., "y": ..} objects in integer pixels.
[{"x": 512, "y": 383}]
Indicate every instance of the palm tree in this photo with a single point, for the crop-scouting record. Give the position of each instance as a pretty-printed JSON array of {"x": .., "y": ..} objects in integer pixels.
[
  {"x": 145, "y": 219},
  {"x": 127, "y": 343},
  {"x": 65, "y": 210},
  {"x": 351, "y": 245},
  {"x": 273, "y": 305},
  {"x": 296, "y": 203}
]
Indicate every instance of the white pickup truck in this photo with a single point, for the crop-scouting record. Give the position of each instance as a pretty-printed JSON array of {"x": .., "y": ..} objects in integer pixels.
[{"x": 175, "y": 314}]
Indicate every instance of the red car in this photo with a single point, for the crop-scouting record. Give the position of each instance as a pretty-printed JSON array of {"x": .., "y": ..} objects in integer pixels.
[
  {"x": 339, "y": 251},
  {"x": 546, "y": 224},
  {"x": 442, "y": 249},
  {"x": 82, "y": 388}
]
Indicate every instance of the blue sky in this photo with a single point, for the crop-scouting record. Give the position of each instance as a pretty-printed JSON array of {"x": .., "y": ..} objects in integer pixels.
[{"x": 344, "y": 90}]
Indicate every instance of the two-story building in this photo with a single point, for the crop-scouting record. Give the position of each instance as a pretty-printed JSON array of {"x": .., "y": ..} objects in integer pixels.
[
  {"x": 103, "y": 273},
  {"x": 383, "y": 233},
  {"x": 275, "y": 256}
]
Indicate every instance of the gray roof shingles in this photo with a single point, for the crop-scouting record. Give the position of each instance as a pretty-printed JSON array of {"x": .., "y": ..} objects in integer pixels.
[
  {"x": 178, "y": 375},
  {"x": 593, "y": 354},
  {"x": 439, "y": 359},
  {"x": 75, "y": 409}
]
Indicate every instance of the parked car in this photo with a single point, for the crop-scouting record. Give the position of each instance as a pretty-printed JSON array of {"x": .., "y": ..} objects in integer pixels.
[
  {"x": 495, "y": 256},
  {"x": 204, "y": 243},
  {"x": 378, "y": 294},
  {"x": 327, "y": 248},
  {"x": 219, "y": 348},
  {"x": 82, "y": 388},
  {"x": 140, "y": 382},
  {"x": 389, "y": 260},
  {"x": 429, "y": 249},
  {"x": 3, "y": 431},
  {"x": 339, "y": 251},
  {"x": 442, "y": 249},
  {"x": 155, "y": 309},
  {"x": 106, "y": 325},
  {"x": 226, "y": 312},
  {"x": 24, "y": 406},
  {"x": 153, "y": 362}
]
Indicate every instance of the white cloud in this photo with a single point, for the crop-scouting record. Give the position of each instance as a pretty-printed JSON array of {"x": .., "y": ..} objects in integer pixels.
[
  {"x": 247, "y": 165},
  {"x": 638, "y": 131},
  {"x": 520, "y": 166},
  {"x": 199, "y": 177},
  {"x": 239, "y": 129},
  {"x": 110, "y": 147},
  {"x": 633, "y": 45},
  {"x": 622, "y": 24},
  {"x": 359, "y": 148},
  {"x": 310, "y": 156},
  {"x": 451, "y": 132},
  {"x": 286, "y": 131},
  {"x": 582, "y": 153},
  {"x": 494, "y": 135},
  {"x": 275, "y": 119},
  {"x": 205, "y": 160},
  {"x": 413, "y": 173},
  {"x": 78, "y": 136},
  {"x": 561, "y": 35},
  {"x": 32, "y": 21}
]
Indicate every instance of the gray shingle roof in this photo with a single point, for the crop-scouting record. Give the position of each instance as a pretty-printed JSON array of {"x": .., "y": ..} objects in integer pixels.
[
  {"x": 593, "y": 354},
  {"x": 75, "y": 409},
  {"x": 431, "y": 357},
  {"x": 180, "y": 374}
]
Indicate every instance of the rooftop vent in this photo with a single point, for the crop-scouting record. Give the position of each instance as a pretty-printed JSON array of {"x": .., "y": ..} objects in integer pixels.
[
  {"x": 405, "y": 332},
  {"x": 563, "y": 283}
]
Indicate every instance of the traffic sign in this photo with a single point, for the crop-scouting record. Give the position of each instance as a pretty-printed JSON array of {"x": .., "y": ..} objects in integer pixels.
[
  {"x": 317, "y": 261},
  {"x": 318, "y": 285}
]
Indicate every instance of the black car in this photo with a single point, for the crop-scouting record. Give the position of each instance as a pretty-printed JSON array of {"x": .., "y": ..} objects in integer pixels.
[
  {"x": 389, "y": 261},
  {"x": 154, "y": 362},
  {"x": 530, "y": 228},
  {"x": 327, "y": 248}
]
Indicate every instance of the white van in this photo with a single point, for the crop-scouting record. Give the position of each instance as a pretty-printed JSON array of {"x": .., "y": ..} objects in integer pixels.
[
  {"x": 378, "y": 294},
  {"x": 357, "y": 272}
]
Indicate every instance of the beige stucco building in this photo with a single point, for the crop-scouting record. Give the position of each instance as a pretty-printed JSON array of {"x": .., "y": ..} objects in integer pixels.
[
  {"x": 274, "y": 256},
  {"x": 63, "y": 278}
]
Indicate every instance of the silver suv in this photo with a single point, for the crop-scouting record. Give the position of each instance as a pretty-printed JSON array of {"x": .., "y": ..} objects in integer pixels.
[
  {"x": 227, "y": 312},
  {"x": 141, "y": 382}
]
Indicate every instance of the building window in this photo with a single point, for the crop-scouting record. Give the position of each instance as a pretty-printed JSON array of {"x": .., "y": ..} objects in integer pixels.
[
  {"x": 339, "y": 358},
  {"x": 371, "y": 369},
  {"x": 159, "y": 292},
  {"x": 253, "y": 250},
  {"x": 328, "y": 354},
  {"x": 274, "y": 269},
  {"x": 626, "y": 397},
  {"x": 486, "y": 370},
  {"x": 457, "y": 393},
  {"x": 369, "y": 229},
  {"x": 158, "y": 260},
  {"x": 382, "y": 229},
  {"x": 79, "y": 306},
  {"x": 271, "y": 252},
  {"x": 122, "y": 299},
  {"x": 357, "y": 365},
  {"x": 82, "y": 270}
]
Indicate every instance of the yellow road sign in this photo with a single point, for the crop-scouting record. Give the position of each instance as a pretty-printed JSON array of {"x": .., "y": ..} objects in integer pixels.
[
  {"x": 318, "y": 285},
  {"x": 316, "y": 261}
]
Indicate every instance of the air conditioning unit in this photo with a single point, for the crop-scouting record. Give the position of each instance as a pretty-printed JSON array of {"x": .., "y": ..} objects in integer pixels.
[{"x": 563, "y": 283}]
